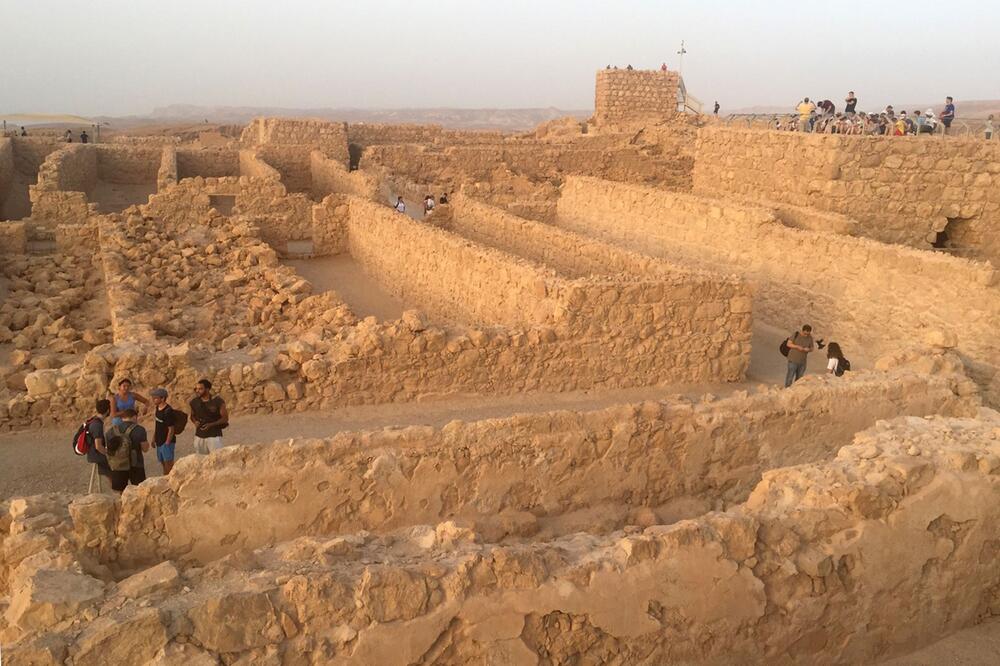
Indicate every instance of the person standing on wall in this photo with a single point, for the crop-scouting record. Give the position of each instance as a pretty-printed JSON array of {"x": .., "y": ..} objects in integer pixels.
[
  {"x": 715, "y": 111},
  {"x": 988, "y": 130},
  {"x": 851, "y": 103},
  {"x": 24, "y": 132},
  {"x": 799, "y": 347},
  {"x": 805, "y": 110},
  {"x": 83, "y": 137},
  {"x": 210, "y": 417},
  {"x": 948, "y": 114},
  {"x": 663, "y": 67},
  {"x": 164, "y": 435}
]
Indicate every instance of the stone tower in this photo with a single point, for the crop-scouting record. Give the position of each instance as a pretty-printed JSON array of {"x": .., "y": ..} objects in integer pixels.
[{"x": 624, "y": 96}]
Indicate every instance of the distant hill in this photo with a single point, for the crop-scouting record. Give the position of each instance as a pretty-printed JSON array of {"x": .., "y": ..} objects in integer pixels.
[
  {"x": 502, "y": 119},
  {"x": 965, "y": 108}
]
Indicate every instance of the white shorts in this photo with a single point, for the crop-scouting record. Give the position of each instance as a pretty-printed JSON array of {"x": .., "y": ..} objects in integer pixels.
[{"x": 205, "y": 445}]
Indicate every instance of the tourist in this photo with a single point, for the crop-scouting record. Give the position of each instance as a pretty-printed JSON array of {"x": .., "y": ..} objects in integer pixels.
[
  {"x": 400, "y": 205},
  {"x": 83, "y": 137},
  {"x": 428, "y": 204},
  {"x": 95, "y": 427},
  {"x": 444, "y": 198},
  {"x": 124, "y": 445},
  {"x": 24, "y": 132},
  {"x": 899, "y": 127},
  {"x": 930, "y": 123},
  {"x": 630, "y": 68},
  {"x": 210, "y": 417},
  {"x": 124, "y": 399},
  {"x": 827, "y": 107},
  {"x": 164, "y": 437},
  {"x": 663, "y": 67},
  {"x": 608, "y": 67},
  {"x": 836, "y": 364},
  {"x": 799, "y": 346},
  {"x": 918, "y": 121},
  {"x": 948, "y": 114},
  {"x": 988, "y": 131},
  {"x": 69, "y": 136},
  {"x": 715, "y": 111},
  {"x": 851, "y": 103},
  {"x": 805, "y": 110}
]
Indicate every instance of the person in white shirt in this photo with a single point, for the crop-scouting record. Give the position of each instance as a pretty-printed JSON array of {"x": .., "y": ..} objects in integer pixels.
[
  {"x": 400, "y": 205},
  {"x": 836, "y": 364}
]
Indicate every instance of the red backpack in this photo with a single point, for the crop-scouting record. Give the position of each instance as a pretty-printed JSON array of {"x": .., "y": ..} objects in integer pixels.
[{"x": 83, "y": 440}]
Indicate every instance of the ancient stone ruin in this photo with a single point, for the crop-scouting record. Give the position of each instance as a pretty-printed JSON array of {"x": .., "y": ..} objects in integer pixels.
[{"x": 716, "y": 518}]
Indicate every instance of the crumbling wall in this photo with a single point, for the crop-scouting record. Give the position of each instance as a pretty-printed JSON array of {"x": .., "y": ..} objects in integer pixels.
[
  {"x": 903, "y": 190},
  {"x": 375, "y": 134},
  {"x": 627, "y": 96},
  {"x": 658, "y": 456},
  {"x": 331, "y": 177},
  {"x": 207, "y": 162},
  {"x": 291, "y": 162},
  {"x": 818, "y": 564},
  {"x": 167, "y": 173},
  {"x": 870, "y": 295},
  {"x": 329, "y": 225},
  {"x": 71, "y": 168}
]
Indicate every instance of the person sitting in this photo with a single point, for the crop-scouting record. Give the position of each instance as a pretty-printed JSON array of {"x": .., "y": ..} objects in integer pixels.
[
  {"x": 836, "y": 364},
  {"x": 930, "y": 123}
]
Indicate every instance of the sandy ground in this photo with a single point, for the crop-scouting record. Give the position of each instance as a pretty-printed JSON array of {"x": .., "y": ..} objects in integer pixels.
[
  {"x": 975, "y": 646},
  {"x": 342, "y": 274},
  {"x": 42, "y": 461}
]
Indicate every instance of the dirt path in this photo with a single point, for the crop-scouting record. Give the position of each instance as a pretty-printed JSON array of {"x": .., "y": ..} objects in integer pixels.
[{"x": 38, "y": 461}]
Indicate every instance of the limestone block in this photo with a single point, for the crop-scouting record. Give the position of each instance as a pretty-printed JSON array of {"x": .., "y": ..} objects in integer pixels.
[
  {"x": 163, "y": 576},
  {"x": 130, "y": 636},
  {"x": 50, "y": 595},
  {"x": 235, "y": 622}
]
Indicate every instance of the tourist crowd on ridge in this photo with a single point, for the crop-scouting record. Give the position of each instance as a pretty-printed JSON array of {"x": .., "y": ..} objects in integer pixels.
[{"x": 823, "y": 118}]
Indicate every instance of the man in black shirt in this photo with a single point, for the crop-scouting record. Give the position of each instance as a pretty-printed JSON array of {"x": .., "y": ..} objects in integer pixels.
[
  {"x": 210, "y": 416},
  {"x": 164, "y": 437},
  {"x": 851, "y": 103}
]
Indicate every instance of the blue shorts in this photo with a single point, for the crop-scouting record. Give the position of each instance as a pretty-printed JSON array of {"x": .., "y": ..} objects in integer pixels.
[{"x": 165, "y": 452}]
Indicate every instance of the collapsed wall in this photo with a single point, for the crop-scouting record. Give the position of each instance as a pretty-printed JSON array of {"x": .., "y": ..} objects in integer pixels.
[
  {"x": 818, "y": 562},
  {"x": 903, "y": 190},
  {"x": 862, "y": 293}
]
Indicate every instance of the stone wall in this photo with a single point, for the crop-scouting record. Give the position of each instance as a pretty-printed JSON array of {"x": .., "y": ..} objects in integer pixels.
[
  {"x": 167, "y": 173},
  {"x": 899, "y": 190},
  {"x": 375, "y": 134},
  {"x": 328, "y": 137},
  {"x": 656, "y": 455},
  {"x": 71, "y": 168},
  {"x": 291, "y": 162},
  {"x": 817, "y": 565},
  {"x": 252, "y": 166},
  {"x": 866, "y": 294},
  {"x": 623, "y": 96},
  {"x": 207, "y": 162},
  {"x": 13, "y": 238},
  {"x": 331, "y": 177},
  {"x": 128, "y": 164}
]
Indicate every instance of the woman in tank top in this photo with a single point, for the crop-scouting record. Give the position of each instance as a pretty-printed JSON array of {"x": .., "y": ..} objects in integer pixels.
[{"x": 124, "y": 398}]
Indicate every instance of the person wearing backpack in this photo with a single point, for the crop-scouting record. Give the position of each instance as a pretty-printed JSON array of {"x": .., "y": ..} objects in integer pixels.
[
  {"x": 836, "y": 364},
  {"x": 124, "y": 445},
  {"x": 799, "y": 346},
  {"x": 165, "y": 432},
  {"x": 94, "y": 432}
]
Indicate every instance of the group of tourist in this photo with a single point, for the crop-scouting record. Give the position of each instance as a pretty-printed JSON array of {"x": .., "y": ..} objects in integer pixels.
[
  {"x": 400, "y": 205},
  {"x": 68, "y": 136},
  {"x": 823, "y": 118},
  {"x": 116, "y": 441},
  {"x": 797, "y": 348}
]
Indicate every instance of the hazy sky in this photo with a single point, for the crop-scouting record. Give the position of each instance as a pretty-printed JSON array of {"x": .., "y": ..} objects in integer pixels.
[{"x": 127, "y": 56}]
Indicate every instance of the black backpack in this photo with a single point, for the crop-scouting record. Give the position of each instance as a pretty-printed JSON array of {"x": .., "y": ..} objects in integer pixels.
[
  {"x": 842, "y": 366},
  {"x": 783, "y": 347}
]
